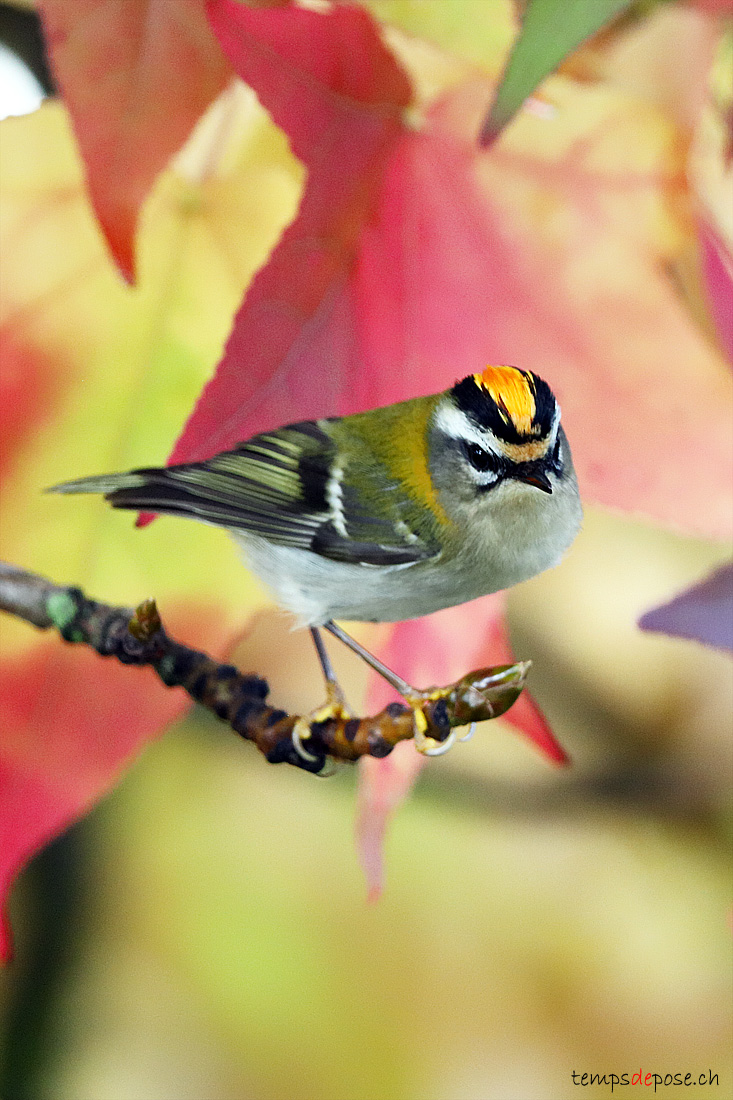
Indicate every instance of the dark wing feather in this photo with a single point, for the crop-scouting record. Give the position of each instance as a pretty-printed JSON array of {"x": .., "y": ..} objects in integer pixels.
[{"x": 277, "y": 485}]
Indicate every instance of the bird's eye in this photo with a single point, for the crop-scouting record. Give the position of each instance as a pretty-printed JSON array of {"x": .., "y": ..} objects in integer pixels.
[
  {"x": 555, "y": 456},
  {"x": 482, "y": 460}
]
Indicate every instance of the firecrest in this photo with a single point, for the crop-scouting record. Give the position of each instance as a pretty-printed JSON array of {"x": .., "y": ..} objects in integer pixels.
[{"x": 388, "y": 514}]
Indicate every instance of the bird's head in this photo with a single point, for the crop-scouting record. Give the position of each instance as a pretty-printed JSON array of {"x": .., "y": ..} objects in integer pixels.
[{"x": 500, "y": 426}]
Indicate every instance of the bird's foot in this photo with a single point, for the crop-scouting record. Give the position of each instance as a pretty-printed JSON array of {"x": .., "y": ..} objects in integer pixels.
[
  {"x": 334, "y": 708},
  {"x": 426, "y": 745}
]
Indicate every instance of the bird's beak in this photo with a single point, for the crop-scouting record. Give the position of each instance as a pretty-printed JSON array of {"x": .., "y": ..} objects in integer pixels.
[{"x": 533, "y": 475}]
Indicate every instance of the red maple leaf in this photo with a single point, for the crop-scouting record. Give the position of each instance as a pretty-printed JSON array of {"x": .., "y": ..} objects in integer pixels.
[
  {"x": 135, "y": 75},
  {"x": 62, "y": 748}
]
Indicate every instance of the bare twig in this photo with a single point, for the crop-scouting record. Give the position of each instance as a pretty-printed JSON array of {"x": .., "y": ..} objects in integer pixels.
[{"x": 138, "y": 638}]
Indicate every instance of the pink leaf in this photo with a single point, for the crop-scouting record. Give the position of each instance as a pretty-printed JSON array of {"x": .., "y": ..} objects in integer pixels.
[
  {"x": 383, "y": 786},
  {"x": 525, "y": 715},
  {"x": 329, "y": 81},
  {"x": 717, "y": 264},
  {"x": 62, "y": 748},
  {"x": 437, "y": 649},
  {"x": 411, "y": 262},
  {"x": 714, "y": 7},
  {"x": 583, "y": 302},
  {"x": 27, "y": 387},
  {"x": 440, "y": 648},
  {"x": 136, "y": 75}
]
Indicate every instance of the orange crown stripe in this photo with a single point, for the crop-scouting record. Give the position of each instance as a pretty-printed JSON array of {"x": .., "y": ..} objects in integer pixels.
[{"x": 513, "y": 393}]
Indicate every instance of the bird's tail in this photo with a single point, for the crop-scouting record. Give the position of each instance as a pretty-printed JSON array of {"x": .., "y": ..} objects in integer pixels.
[
  {"x": 159, "y": 489},
  {"x": 185, "y": 490},
  {"x": 108, "y": 484}
]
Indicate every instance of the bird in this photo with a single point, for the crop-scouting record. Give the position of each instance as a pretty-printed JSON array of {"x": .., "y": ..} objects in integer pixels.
[{"x": 384, "y": 515}]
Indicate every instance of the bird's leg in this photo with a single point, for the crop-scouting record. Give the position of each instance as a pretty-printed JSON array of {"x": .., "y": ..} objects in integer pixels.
[
  {"x": 414, "y": 698},
  {"x": 334, "y": 694},
  {"x": 334, "y": 706}
]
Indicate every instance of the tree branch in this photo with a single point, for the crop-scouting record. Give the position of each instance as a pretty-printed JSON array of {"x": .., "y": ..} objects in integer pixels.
[{"x": 138, "y": 638}]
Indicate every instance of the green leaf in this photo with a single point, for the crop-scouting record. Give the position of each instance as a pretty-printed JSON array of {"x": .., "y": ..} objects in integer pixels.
[{"x": 551, "y": 29}]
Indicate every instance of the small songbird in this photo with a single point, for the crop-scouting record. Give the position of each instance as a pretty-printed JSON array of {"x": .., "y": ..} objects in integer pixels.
[{"x": 385, "y": 515}]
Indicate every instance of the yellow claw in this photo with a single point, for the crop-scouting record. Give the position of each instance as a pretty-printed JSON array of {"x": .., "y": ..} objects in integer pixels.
[
  {"x": 421, "y": 722},
  {"x": 301, "y": 732},
  {"x": 332, "y": 709},
  {"x": 428, "y": 746}
]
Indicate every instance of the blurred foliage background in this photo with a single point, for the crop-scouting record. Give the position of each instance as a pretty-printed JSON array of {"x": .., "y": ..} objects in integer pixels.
[
  {"x": 207, "y": 924},
  {"x": 203, "y": 933}
]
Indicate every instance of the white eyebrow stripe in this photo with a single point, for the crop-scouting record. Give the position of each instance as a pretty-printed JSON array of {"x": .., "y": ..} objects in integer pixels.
[{"x": 455, "y": 424}]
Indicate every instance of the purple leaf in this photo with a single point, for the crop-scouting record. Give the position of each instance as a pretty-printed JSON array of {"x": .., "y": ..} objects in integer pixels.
[{"x": 704, "y": 612}]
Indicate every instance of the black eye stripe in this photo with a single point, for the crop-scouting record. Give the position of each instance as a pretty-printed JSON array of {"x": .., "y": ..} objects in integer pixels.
[{"x": 482, "y": 460}]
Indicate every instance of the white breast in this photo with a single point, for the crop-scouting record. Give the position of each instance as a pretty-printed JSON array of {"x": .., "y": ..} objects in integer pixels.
[{"x": 531, "y": 534}]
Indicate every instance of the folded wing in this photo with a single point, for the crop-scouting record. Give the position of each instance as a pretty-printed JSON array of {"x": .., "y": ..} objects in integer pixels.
[{"x": 286, "y": 486}]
